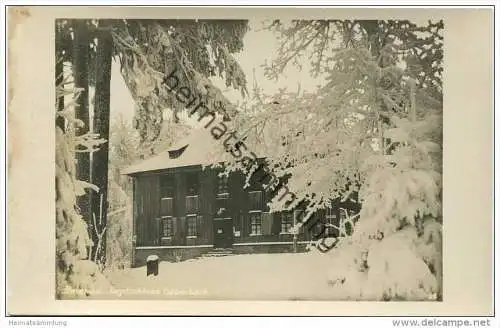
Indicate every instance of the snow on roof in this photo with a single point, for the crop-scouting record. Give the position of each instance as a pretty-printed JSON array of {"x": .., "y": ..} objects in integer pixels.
[{"x": 198, "y": 148}]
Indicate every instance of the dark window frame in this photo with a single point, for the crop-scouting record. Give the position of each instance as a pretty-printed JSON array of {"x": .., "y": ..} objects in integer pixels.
[
  {"x": 287, "y": 221},
  {"x": 167, "y": 221},
  {"x": 256, "y": 224}
]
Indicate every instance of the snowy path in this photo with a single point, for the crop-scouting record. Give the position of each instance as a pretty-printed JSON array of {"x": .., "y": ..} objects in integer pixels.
[{"x": 242, "y": 277}]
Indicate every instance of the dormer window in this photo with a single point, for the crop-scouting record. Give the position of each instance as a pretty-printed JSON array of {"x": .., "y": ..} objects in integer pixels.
[{"x": 175, "y": 153}]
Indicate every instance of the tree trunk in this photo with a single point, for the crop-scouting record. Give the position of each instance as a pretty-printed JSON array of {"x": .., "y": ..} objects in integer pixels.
[
  {"x": 60, "y": 55},
  {"x": 81, "y": 78},
  {"x": 413, "y": 102},
  {"x": 59, "y": 79},
  {"x": 101, "y": 127}
]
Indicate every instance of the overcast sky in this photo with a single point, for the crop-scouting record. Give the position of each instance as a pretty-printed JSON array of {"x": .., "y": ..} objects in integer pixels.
[{"x": 259, "y": 46}]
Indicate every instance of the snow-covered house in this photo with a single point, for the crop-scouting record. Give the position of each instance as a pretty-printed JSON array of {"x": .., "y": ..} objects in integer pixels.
[{"x": 183, "y": 209}]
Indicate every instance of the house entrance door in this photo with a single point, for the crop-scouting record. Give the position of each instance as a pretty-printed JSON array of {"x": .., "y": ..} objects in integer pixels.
[{"x": 223, "y": 233}]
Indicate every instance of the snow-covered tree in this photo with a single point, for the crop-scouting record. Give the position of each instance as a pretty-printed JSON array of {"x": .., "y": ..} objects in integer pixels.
[
  {"x": 196, "y": 50},
  {"x": 372, "y": 133},
  {"x": 148, "y": 51},
  {"x": 76, "y": 271},
  {"x": 125, "y": 149}
]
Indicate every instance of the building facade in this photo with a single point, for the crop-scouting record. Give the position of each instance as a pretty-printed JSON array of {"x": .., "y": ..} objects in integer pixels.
[{"x": 183, "y": 210}]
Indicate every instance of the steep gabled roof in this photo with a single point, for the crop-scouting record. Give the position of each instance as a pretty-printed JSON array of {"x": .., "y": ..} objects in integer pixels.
[{"x": 199, "y": 147}]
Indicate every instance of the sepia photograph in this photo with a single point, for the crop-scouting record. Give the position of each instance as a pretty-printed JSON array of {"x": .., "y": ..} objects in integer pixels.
[
  {"x": 172, "y": 161},
  {"x": 249, "y": 160}
]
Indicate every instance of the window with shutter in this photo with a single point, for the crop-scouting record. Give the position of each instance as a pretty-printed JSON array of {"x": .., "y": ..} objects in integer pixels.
[
  {"x": 157, "y": 234},
  {"x": 167, "y": 195},
  {"x": 199, "y": 225},
  {"x": 267, "y": 223},
  {"x": 175, "y": 229}
]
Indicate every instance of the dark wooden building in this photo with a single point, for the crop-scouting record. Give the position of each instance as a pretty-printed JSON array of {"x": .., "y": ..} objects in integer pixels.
[{"x": 182, "y": 210}]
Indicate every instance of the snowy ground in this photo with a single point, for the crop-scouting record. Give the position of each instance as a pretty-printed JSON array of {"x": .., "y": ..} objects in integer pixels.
[{"x": 299, "y": 276}]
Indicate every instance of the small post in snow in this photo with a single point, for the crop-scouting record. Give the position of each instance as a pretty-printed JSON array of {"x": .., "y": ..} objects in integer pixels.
[{"x": 152, "y": 265}]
